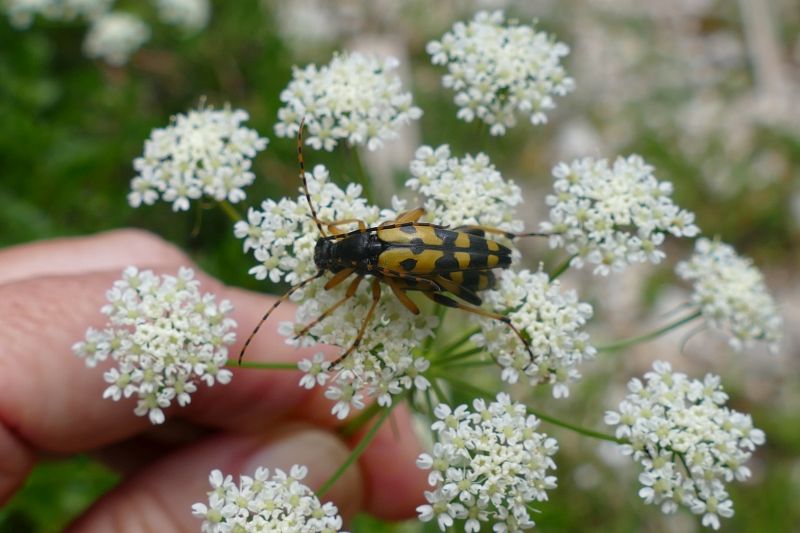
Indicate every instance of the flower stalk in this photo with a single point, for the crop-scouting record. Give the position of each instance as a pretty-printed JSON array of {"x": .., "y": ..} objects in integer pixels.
[
  {"x": 625, "y": 343},
  {"x": 357, "y": 451}
]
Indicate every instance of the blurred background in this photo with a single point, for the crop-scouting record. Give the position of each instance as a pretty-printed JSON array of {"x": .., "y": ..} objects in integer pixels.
[{"x": 708, "y": 91}]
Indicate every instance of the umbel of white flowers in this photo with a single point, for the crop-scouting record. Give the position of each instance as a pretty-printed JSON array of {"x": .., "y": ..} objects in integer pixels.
[
  {"x": 487, "y": 466},
  {"x": 554, "y": 321},
  {"x": 732, "y": 296},
  {"x": 500, "y": 68},
  {"x": 688, "y": 443},
  {"x": 204, "y": 152},
  {"x": 164, "y": 336},
  {"x": 355, "y": 98},
  {"x": 275, "y": 502},
  {"x": 613, "y": 215}
]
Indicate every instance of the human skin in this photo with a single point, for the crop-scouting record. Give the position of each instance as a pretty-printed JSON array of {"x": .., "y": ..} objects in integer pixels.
[{"x": 51, "y": 405}]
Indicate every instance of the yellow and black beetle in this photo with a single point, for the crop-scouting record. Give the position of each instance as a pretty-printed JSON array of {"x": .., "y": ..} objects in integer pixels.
[{"x": 407, "y": 255}]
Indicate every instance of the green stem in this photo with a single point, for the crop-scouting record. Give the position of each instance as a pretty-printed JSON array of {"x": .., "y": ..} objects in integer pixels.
[
  {"x": 231, "y": 211},
  {"x": 577, "y": 429},
  {"x": 359, "y": 421},
  {"x": 429, "y": 402},
  {"x": 469, "y": 364},
  {"x": 437, "y": 389},
  {"x": 361, "y": 176},
  {"x": 542, "y": 416},
  {"x": 648, "y": 336},
  {"x": 450, "y": 348},
  {"x": 563, "y": 267},
  {"x": 232, "y": 363},
  {"x": 456, "y": 357},
  {"x": 358, "y": 450},
  {"x": 439, "y": 311},
  {"x": 198, "y": 221},
  {"x": 483, "y": 132}
]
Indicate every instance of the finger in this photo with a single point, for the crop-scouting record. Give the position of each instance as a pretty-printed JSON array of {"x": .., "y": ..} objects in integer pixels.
[
  {"x": 160, "y": 498},
  {"x": 111, "y": 250},
  {"x": 393, "y": 485}
]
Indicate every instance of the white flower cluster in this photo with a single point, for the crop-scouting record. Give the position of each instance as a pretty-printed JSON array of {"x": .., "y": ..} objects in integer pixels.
[
  {"x": 500, "y": 68},
  {"x": 22, "y": 12},
  {"x": 687, "y": 441},
  {"x": 114, "y": 36},
  {"x": 487, "y": 466},
  {"x": 732, "y": 295},
  {"x": 278, "y": 503},
  {"x": 612, "y": 216},
  {"x": 164, "y": 336},
  {"x": 206, "y": 151},
  {"x": 191, "y": 15},
  {"x": 282, "y": 237},
  {"x": 355, "y": 98},
  {"x": 553, "y": 321},
  {"x": 467, "y": 191}
]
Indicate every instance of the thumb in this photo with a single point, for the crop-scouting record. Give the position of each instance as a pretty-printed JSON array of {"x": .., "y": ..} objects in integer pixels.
[{"x": 160, "y": 497}]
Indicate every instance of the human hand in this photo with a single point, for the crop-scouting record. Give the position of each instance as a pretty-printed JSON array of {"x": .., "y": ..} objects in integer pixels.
[{"x": 51, "y": 405}]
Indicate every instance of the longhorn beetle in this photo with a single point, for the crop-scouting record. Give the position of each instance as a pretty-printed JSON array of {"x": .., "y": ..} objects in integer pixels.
[{"x": 407, "y": 255}]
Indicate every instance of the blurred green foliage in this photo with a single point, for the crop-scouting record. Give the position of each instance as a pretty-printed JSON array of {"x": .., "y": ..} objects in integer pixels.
[
  {"x": 71, "y": 128},
  {"x": 55, "y": 493}
]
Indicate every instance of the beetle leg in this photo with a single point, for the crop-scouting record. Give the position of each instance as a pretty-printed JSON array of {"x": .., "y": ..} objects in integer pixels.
[
  {"x": 462, "y": 291},
  {"x": 351, "y": 290},
  {"x": 338, "y": 278},
  {"x": 449, "y": 302},
  {"x": 272, "y": 308},
  {"x": 429, "y": 284},
  {"x": 401, "y": 295},
  {"x": 376, "y": 296},
  {"x": 410, "y": 216},
  {"x": 334, "y": 226}
]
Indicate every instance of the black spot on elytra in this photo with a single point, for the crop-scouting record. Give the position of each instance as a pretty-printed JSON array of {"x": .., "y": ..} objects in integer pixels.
[
  {"x": 417, "y": 246},
  {"x": 478, "y": 244},
  {"x": 448, "y": 237},
  {"x": 472, "y": 279},
  {"x": 408, "y": 264},
  {"x": 447, "y": 263},
  {"x": 478, "y": 261},
  {"x": 411, "y": 230}
]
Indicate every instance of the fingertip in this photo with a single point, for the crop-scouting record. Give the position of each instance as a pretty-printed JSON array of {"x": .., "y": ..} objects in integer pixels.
[
  {"x": 110, "y": 250},
  {"x": 16, "y": 461}
]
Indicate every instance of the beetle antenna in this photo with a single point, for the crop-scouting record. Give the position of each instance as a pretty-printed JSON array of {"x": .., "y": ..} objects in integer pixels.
[
  {"x": 303, "y": 176},
  {"x": 278, "y": 302}
]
